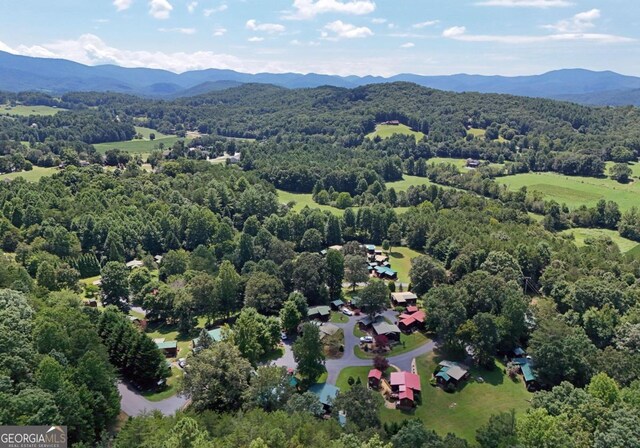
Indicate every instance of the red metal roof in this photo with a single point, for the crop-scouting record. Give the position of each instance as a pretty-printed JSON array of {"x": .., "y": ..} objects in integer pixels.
[
  {"x": 420, "y": 316},
  {"x": 407, "y": 394},
  {"x": 412, "y": 309},
  {"x": 408, "y": 321},
  {"x": 410, "y": 380},
  {"x": 375, "y": 373}
]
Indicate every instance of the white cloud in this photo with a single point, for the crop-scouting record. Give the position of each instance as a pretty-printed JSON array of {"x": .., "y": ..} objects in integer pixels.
[
  {"x": 408, "y": 45},
  {"x": 191, "y": 7},
  {"x": 255, "y": 39},
  {"x": 178, "y": 30},
  {"x": 460, "y": 33},
  {"x": 308, "y": 9},
  {"x": 580, "y": 22},
  {"x": 121, "y": 5},
  {"x": 219, "y": 32},
  {"x": 211, "y": 11},
  {"x": 346, "y": 30},
  {"x": 425, "y": 24},
  {"x": 160, "y": 9},
  {"x": 270, "y": 28},
  {"x": 378, "y": 21},
  {"x": 526, "y": 3}
]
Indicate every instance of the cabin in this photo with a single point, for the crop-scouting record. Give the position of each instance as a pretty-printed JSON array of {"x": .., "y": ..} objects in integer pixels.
[
  {"x": 215, "y": 335},
  {"x": 328, "y": 329},
  {"x": 337, "y": 304},
  {"x": 385, "y": 272},
  {"x": 449, "y": 374},
  {"x": 404, "y": 299},
  {"x": 235, "y": 158},
  {"x": 140, "y": 323},
  {"x": 528, "y": 374},
  {"x": 473, "y": 163},
  {"x": 375, "y": 376},
  {"x": 384, "y": 328},
  {"x": 406, "y": 385},
  {"x": 326, "y": 393},
  {"x": 135, "y": 264},
  {"x": 319, "y": 312},
  {"x": 392, "y": 123},
  {"x": 168, "y": 348},
  {"x": 158, "y": 259},
  {"x": 409, "y": 323}
]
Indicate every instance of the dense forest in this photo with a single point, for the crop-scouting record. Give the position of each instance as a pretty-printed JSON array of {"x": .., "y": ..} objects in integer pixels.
[{"x": 232, "y": 254}]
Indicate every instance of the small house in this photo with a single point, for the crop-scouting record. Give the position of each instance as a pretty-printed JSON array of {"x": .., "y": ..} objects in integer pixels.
[
  {"x": 384, "y": 328},
  {"x": 450, "y": 374},
  {"x": 412, "y": 322},
  {"x": 337, "y": 247},
  {"x": 135, "y": 264},
  {"x": 371, "y": 249},
  {"x": 528, "y": 374},
  {"x": 406, "y": 385},
  {"x": 169, "y": 348},
  {"x": 328, "y": 329},
  {"x": 326, "y": 393},
  {"x": 140, "y": 323},
  {"x": 473, "y": 163},
  {"x": 404, "y": 298},
  {"x": 215, "y": 335},
  {"x": 375, "y": 376},
  {"x": 385, "y": 272},
  {"x": 337, "y": 304},
  {"x": 158, "y": 259},
  {"x": 319, "y": 312}
]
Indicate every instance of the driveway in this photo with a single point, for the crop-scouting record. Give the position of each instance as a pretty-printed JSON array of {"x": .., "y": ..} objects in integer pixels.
[{"x": 134, "y": 404}]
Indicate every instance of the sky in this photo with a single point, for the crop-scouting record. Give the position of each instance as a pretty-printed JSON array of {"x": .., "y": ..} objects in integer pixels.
[{"x": 342, "y": 37}]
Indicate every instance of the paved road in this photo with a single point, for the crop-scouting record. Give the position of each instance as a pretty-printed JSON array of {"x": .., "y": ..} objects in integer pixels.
[
  {"x": 133, "y": 404},
  {"x": 349, "y": 358}
]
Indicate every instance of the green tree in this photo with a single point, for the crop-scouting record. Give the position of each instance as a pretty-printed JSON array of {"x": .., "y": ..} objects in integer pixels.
[
  {"x": 499, "y": 432},
  {"x": 361, "y": 405},
  {"x": 620, "y": 172},
  {"x": 604, "y": 388},
  {"x": 307, "y": 402},
  {"x": 216, "y": 378},
  {"x": 46, "y": 276},
  {"x": 269, "y": 389},
  {"x": 374, "y": 298},
  {"x": 175, "y": 262},
  {"x": 227, "y": 288},
  {"x": 115, "y": 285},
  {"x": 355, "y": 267},
  {"x": 290, "y": 317},
  {"x": 247, "y": 333},
  {"x": 309, "y": 277},
  {"x": 333, "y": 231},
  {"x": 264, "y": 292},
  {"x": 481, "y": 333},
  {"x": 424, "y": 274},
  {"x": 335, "y": 272},
  {"x": 307, "y": 352}
]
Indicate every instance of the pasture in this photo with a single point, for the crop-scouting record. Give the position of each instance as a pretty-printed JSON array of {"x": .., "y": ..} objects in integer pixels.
[
  {"x": 386, "y": 130},
  {"x": 25, "y": 111},
  {"x": 303, "y": 200},
  {"x": 138, "y": 146},
  {"x": 146, "y": 132},
  {"x": 34, "y": 175},
  {"x": 582, "y": 237},
  {"x": 407, "y": 181},
  {"x": 575, "y": 190},
  {"x": 635, "y": 168}
]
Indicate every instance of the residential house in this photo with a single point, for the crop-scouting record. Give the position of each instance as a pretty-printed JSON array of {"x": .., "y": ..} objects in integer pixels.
[
  {"x": 384, "y": 328},
  {"x": 407, "y": 386},
  {"x": 404, "y": 298},
  {"x": 450, "y": 374},
  {"x": 328, "y": 329},
  {"x": 385, "y": 273},
  {"x": 215, "y": 335},
  {"x": 319, "y": 312},
  {"x": 411, "y": 322},
  {"x": 337, "y": 304},
  {"x": 169, "y": 348},
  {"x": 135, "y": 264},
  {"x": 375, "y": 376},
  {"x": 528, "y": 374},
  {"x": 326, "y": 393},
  {"x": 473, "y": 163}
]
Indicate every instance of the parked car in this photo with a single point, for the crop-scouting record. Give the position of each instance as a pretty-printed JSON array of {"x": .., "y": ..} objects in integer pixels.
[
  {"x": 347, "y": 311},
  {"x": 182, "y": 363},
  {"x": 366, "y": 340}
]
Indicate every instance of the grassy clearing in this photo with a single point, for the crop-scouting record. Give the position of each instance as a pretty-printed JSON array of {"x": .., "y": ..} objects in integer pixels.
[
  {"x": 407, "y": 181},
  {"x": 582, "y": 236},
  {"x": 338, "y": 318},
  {"x": 464, "y": 411},
  {"x": 385, "y": 131},
  {"x": 303, "y": 200},
  {"x": 480, "y": 133},
  {"x": 461, "y": 164},
  {"x": 146, "y": 132},
  {"x": 635, "y": 168},
  {"x": 25, "y": 111},
  {"x": 575, "y": 190},
  {"x": 408, "y": 342},
  {"x": 173, "y": 384},
  {"x": 400, "y": 259},
  {"x": 34, "y": 175},
  {"x": 138, "y": 146}
]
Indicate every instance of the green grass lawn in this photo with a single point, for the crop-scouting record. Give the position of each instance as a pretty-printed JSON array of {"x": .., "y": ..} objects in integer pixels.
[
  {"x": 581, "y": 235},
  {"x": 148, "y": 131},
  {"x": 386, "y": 131},
  {"x": 25, "y": 111},
  {"x": 480, "y": 133},
  {"x": 361, "y": 372},
  {"x": 574, "y": 190},
  {"x": 173, "y": 384},
  {"x": 338, "y": 318},
  {"x": 465, "y": 410},
  {"x": 408, "y": 342},
  {"x": 459, "y": 163},
  {"x": 138, "y": 146},
  {"x": 400, "y": 260},
  {"x": 34, "y": 175},
  {"x": 303, "y": 200},
  {"x": 635, "y": 168},
  {"x": 407, "y": 181}
]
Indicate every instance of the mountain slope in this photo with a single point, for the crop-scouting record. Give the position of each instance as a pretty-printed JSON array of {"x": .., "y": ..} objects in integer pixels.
[{"x": 19, "y": 73}]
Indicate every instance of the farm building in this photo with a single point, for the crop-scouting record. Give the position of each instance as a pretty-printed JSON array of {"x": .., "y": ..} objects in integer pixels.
[
  {"x": 450, "y": 374},
  {"x": 169, "y": 348},
  {"x": 319, "y": 312},
  {"x": 404, "y": 298},
  {"x": 407, "y": 386},
  {"x": 375, "y": 376},
  {"x": 326, "y": 393}
]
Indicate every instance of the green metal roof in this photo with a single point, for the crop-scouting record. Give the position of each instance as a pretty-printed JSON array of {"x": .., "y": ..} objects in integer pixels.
[
  {"x": 326, "y": 392},
  {"x": 167, "y": 344},
  {"x": 527, "y": 373}
]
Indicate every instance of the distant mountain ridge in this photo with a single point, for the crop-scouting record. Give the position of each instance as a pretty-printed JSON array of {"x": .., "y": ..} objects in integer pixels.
[{"x": 56, "y": 76}]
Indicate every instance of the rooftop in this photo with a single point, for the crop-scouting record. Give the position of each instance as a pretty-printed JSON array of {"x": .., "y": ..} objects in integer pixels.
[
  {"x": 402, "y": 297},
  {"x": 375, "y": 373},
  {"x": 322, "y": 310},
  {"x": 383, "y": 327},
  {"x": 407, "y": 379}
]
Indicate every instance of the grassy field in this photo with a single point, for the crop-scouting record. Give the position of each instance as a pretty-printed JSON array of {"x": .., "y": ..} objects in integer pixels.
[
  {"x": 25, "y": 111},
  {"x": 386, "y": 131},
  {"x": 138, "y": 146},
  {"x": 407, "y": 181},
  {"x": 34, "y": 175},
  {"x": 464, "y": 411},
  {"x": 635, "y": 168},
  {"x": 574, "y": 190},
  {"x": 459, "y": 163},
  {"x": 400, "y": 259},
  {"x": 305, "y": 199},
  {"x": 480, "y": 133},
  {"x": 148, "y": 131},
  {"x": 408, "y": 342},
  {"x": 582, "y": 235}
]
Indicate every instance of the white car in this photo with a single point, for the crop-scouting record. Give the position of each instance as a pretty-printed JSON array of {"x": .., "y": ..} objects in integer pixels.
[
  {"x": 284, "y": 336},
  {"x": 182, "y": 362},
  {"x": 347, "y": 312},
  {"x": 366, "y": 340}
]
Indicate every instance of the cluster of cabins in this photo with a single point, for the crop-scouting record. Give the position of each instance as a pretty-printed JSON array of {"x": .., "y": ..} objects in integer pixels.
[
  {"x": 377, "y": 262},
  {"x": 525, "y": 366}
]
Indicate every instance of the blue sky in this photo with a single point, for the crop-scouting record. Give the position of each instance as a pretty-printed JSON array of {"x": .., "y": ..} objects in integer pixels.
[{"x": 380, "y": 37}]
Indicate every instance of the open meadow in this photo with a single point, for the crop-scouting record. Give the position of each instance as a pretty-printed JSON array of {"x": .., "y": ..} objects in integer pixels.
[
  {"x": 34, "y": 175},
  {"x": 387, "y": 130},
  {"x": 25, "y": 111},
  {"x": 581, "y": 237}
]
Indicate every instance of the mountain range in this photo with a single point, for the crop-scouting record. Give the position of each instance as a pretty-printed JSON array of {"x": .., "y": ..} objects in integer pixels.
[{"x": 56, "y": 76}]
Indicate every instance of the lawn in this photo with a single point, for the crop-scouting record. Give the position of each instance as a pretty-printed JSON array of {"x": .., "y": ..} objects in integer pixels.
[
  {"x": 387, "y": 130},
  {"x": 25, "y": 111},
  {"x": 400, "y": 260},
  {"x": 338, "y": 318},
  {"x": 635, "y": 168},
  {"x": 138, "y": 146},
  {"x": 575, "y": 190},
  {"x": 173, "y": 383},
  {"x": 361, "y": 372},
  {"x": 408, "y": 342},
  {"x": 407, "y": 181},
  {"x": 480, "y": 133},
  {"x": 303, "y": 200},
  {"x": 34, "y": 175},
  {"x": 582, "y": 236},
  {"x": 464, "y": 411},
  {"x": 148, "y": 131},
  {"x": 461, "y": 164}
]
